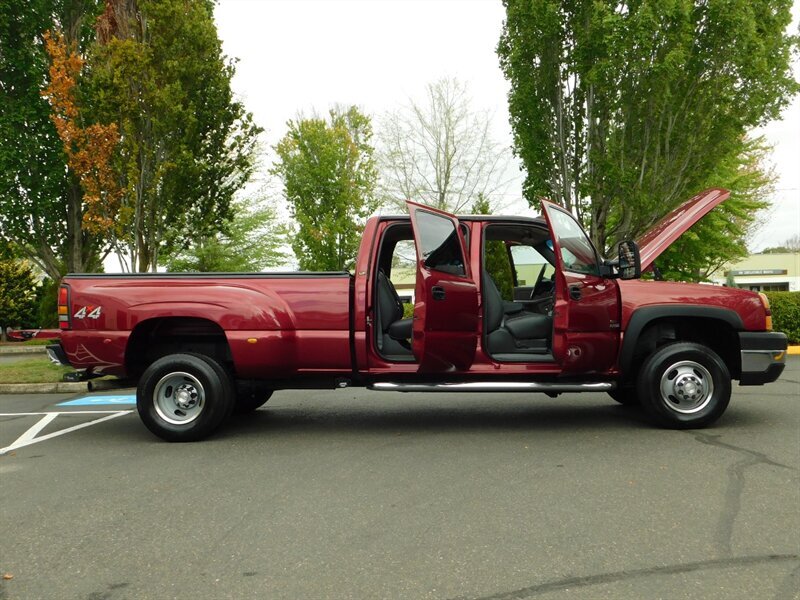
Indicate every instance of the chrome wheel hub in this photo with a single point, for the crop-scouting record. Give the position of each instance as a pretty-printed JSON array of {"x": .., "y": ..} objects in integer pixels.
[
  {"x": 186, "y": 396},
  {"x": 179, "y": 398},
  {"x": 686, "y": 387}
]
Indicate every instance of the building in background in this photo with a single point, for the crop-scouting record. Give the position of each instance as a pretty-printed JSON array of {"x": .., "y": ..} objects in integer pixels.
[{"x": 779, "y": 272}]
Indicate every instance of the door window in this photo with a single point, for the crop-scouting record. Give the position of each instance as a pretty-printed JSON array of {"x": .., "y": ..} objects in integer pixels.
[
  {"x": 439, "y": 243},
  {"x": 577, "y": 253}
]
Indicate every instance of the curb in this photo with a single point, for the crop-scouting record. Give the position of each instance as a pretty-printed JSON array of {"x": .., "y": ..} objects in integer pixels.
[
  {"x": 61, "y": 387},
  {"x": 793, "y": 350},
  {"x": 23, "y": 350}
]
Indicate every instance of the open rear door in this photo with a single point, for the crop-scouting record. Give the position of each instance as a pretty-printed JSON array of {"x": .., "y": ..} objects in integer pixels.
[{"x": 445, "y": 331}]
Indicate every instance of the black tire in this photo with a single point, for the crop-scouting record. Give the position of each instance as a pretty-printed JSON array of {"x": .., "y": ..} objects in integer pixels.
[
  {"x": 251, "y": 396},
  {"x": 684, "y": 385},
  {"x": 625, "y": 396},
  {"x": 184, "y": 397}
]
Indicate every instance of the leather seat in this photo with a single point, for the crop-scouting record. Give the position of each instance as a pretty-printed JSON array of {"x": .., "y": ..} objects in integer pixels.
[
  {"x": 393, "y": 330},
  {"x": 512, "y": 331}
]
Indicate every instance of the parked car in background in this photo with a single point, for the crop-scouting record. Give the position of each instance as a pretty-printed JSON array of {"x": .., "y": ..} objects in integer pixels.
[{"x": 23, "y": 335}]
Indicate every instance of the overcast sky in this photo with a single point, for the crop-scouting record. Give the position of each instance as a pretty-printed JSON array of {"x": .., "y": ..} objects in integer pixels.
[{"x": 306, "y": 55}]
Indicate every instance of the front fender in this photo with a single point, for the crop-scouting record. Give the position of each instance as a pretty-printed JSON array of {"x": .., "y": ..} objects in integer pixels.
[{"x": 642, "y": 317}]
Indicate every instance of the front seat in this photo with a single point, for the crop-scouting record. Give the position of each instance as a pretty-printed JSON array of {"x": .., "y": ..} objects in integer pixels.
[
  {"x": 518, "y": 333},
  {"x": 393, "y": 330}
]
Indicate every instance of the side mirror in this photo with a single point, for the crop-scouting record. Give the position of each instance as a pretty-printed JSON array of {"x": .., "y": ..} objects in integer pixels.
[{"x": 630, "y": 265}]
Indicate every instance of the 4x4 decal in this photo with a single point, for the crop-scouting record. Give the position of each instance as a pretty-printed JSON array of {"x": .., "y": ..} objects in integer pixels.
[{"x": 88, "y": 312}]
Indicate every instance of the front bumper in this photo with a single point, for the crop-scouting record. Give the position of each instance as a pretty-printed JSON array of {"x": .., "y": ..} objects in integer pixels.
[{"x": 763, "y": 356}]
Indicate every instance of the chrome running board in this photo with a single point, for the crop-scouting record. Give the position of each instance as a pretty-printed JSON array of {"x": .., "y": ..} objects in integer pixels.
[{"x": 493, "y": 386}]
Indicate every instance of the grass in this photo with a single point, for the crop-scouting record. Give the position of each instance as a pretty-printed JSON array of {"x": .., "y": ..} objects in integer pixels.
[{"x": 32, "y": 370}]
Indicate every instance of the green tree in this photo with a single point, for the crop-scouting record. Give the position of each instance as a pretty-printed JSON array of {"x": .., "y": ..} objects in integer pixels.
[
  {"x": 620, "y": 110},
  {"x": 41, "y": 204},
  {"x": 17, "y": 295},
  {"x": 187, "y": 146},
  {"x": 329, "y": 178},
  {"x": 721, "y": 236},
  {"x": 251, "y": 241},
  {"x": 46, "y": 315},
  {"x": 7, "y": 250}
]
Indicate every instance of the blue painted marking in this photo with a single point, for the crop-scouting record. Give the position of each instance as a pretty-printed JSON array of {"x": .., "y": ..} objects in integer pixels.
[{"x": 100, "y": 400}]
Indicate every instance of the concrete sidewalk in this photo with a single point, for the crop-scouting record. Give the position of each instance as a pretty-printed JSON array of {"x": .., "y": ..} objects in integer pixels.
[
  {"x": 60, "y": 387},
  {"x": 5, "y": 350}
]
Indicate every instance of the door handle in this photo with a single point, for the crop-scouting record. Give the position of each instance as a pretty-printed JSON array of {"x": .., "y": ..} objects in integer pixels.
[
  {"x": 575, "y": 292},
  {"x": 438, "y": 292}
]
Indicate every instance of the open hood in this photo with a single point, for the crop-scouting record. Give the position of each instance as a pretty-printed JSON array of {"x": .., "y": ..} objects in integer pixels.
[{"x": 672, "y": 226}]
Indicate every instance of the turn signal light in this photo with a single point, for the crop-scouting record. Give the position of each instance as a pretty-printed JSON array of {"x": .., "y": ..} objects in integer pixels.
[{"x": 765, "y": 302}]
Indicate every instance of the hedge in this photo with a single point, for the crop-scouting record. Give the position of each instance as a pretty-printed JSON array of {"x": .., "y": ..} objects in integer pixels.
[{"x": 786, "y": 314}]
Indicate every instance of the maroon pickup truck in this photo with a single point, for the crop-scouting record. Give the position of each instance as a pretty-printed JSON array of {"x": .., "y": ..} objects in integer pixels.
[{"x": 202, "y": 346}]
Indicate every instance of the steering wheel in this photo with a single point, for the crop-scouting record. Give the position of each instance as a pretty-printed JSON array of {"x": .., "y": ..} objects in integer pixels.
[
  {"x": 539, "y": 278},
  {"x": 545, "y": 301}
]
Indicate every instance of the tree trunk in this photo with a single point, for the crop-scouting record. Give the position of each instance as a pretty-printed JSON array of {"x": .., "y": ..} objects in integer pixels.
[
  {"x": 42, "y": 255},
  {"x": 74, "y": 248}
]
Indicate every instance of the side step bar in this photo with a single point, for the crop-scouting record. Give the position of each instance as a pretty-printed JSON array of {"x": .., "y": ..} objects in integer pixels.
[{"x": 494, "y": 386}]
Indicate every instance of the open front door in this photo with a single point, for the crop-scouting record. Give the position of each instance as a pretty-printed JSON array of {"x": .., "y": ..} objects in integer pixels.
[
  {"x": 445, "y": 331},
  {"x": 586, "y": 316}
]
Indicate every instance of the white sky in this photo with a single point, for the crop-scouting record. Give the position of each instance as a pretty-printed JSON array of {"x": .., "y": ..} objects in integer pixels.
[{"x": 305, "y": 55}]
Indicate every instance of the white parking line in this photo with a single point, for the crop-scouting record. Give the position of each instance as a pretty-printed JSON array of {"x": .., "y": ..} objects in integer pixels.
[
  {"x": 29, "y": 437},
  {"x": 34, "y": 431},
  {"x": 65, "y": 412}
]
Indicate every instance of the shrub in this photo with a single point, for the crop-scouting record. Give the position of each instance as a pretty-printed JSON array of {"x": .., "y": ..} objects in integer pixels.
[
  {"x": 786, "y": 314},
  {"x": 408, "y": 310},
  {"x": 17, "y": 295}
]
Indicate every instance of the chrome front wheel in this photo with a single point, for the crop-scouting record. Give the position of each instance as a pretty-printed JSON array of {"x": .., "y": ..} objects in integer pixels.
[
  {"x": 684, "y": 385},
  {"x": 687, "y": 387}
]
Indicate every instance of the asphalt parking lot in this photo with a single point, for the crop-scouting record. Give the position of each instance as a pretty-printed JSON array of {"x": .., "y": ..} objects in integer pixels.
[{"x": 351, "y": 494}]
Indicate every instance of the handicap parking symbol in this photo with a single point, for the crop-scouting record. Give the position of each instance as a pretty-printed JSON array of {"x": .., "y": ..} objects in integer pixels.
[{"x": 126, "y": 399}]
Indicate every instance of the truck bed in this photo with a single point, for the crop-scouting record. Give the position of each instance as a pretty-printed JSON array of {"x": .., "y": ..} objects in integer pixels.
[{"x": 269, "y": 319}]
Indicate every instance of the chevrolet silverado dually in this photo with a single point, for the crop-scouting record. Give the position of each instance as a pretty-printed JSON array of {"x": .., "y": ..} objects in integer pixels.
[{"x": 202, "y": 346}]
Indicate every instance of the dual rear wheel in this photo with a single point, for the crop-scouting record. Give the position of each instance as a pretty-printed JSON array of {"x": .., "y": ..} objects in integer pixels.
[{"x": 186, "y": 397}]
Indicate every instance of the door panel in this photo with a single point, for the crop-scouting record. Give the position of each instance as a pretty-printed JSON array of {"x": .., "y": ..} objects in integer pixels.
[
  {"x": 445, "y": 330},
  {"x": 586, "y": 314}
]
